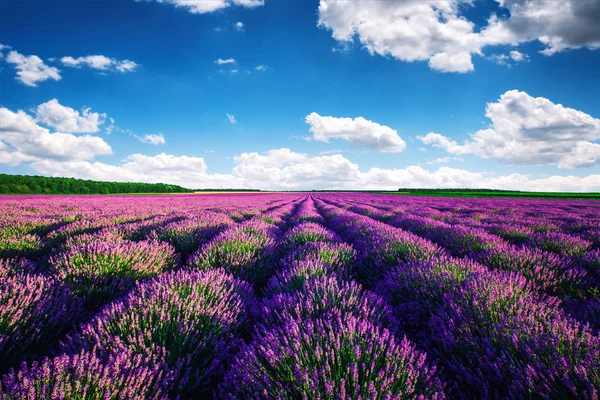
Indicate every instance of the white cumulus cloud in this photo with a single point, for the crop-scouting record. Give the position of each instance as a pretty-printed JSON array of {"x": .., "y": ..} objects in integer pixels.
[
  {"x": 425, "y": 30},
  {"x": 100, "y": 62},
  {"x": 559, "y": 25},
  {"x": 528, "y": 130},
  {"x": 437, "y": 31},
  {"x": 25, "y": 140},
  {"x": 289, "y": 170},
  {"x": 68, "y": 120},
  {"x": 359, "y": 132},
  {"x": 32, "y": 69}
]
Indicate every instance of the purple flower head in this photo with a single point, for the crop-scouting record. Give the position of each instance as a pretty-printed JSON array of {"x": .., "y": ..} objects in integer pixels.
[
  {"x": 323, "y": 295},
  {"x": 494, "y": 336},
  {"x": 307, "y": 212},
  {"x": 416, "y": 289},
  {"x": 35, "y": 310},
  {"x": 188, "y": 234},
  {"x": 591, "y": 261},
  {"x": 85, "y": 376},
  {"x": 247, "y": 251},
  {"x": 513, "y": 233},
  {"x": 28, "y": 245},
  {"x": 547, "y": 272},
  {"x": 294, "y": 278},
  {"x": 14, "y": 266},
  {"x": 102, "y": 271},
  {"x": 191, "y": 320},
  {"x": 338, "y": 357},
  {"x": 561, "y": 243},
  {"x": 104, "y": 235},
  {"x": 585, "y": 310},
  {"x": 77, "y": 227},
  {"x": 308, "y": 232},
  {"x": 341, "y": 257}
]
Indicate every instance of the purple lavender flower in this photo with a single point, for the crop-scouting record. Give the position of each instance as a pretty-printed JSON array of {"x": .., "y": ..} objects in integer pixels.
[
  {"x": 513, "y": 233},
  {"x": 187, "y": 235},
  {"x": 192, "y": 320},
  {"x": 591, "y": 261},
  {"x": 102, "y": 271},
  {"x": 103, "y": 235},
  {"x": 308, "y": 232},
  {"x": 85, "y": 376},
  {"x": 561, "y": 243},
  {"x": 294, "y": 278},
  {"x": 494, "y": 337},
  {"x": 28, "y": 245},
  {"x": 247, "y": 251},
  {"x": 321, "y": 296},
  {"x": 77, "y": 227},
  {"x": 339, "y": 256},
  {"x": 379, "y": 245},
  {"x": 548, "y": 272},
  {"x": 342, "y": 358},
  {"x": 35, "y": 310},
  {"x": 585, "y": 310},
  {"x": 307, "y": 212},
  {"x": 14, "y": 266}
]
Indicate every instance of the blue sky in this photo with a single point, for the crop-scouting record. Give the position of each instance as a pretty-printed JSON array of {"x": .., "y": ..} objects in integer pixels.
[{"x": 330, "y": 94}]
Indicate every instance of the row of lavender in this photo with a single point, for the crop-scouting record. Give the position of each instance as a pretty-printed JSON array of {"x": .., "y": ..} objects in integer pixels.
[
  {"x": 263, "y": 297},
  {"x": 476, "y": 302},
  {"x": 175, "y": 335},
  {"x": 555, "y": 260},
  {"x": 145, "y": 324}
]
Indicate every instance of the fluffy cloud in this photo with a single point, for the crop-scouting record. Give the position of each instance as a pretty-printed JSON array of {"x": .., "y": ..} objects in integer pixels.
[
  {"x": 155, "y": 140},
  {"x": 183, "y": 170},
  {"x": 425, "y": 30},
  {"x": 11, "y": 156},
  {"x": 435, "y": 31},
  {"x": 559, "y": 25},
  {"x": 287, "y": 170},
  {"x": 517, "y": 56},
  {"x": 162, "y": 168},
  {"x": 32, "y": 69},
  {"x": 67, "y": 120},
  {"x": 208, "y": 6},
  {"x": 271, "y": 159},
  {"x": 221, "y": 61},
  {"x": 239, "y": 26},
  {"x": 261, "y": 68},
  {"x": 528, "y": 130},
  {"x": 24, "y": 140},
  {"x": 359, "y": 132},
  {"x": 100, "y": 62}
]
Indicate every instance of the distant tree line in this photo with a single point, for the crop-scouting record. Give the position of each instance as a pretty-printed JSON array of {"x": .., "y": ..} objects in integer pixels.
[
  {"x": 26, "y": 184},
  {"x": 226, "y": 190}
]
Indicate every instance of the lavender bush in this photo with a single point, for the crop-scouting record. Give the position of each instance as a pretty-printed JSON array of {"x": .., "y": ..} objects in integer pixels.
[{"x": 343, "y": 358}]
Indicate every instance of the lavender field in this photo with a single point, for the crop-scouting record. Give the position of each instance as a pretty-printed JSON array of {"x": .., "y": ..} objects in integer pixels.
[{"x": 298, "y": 296}]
